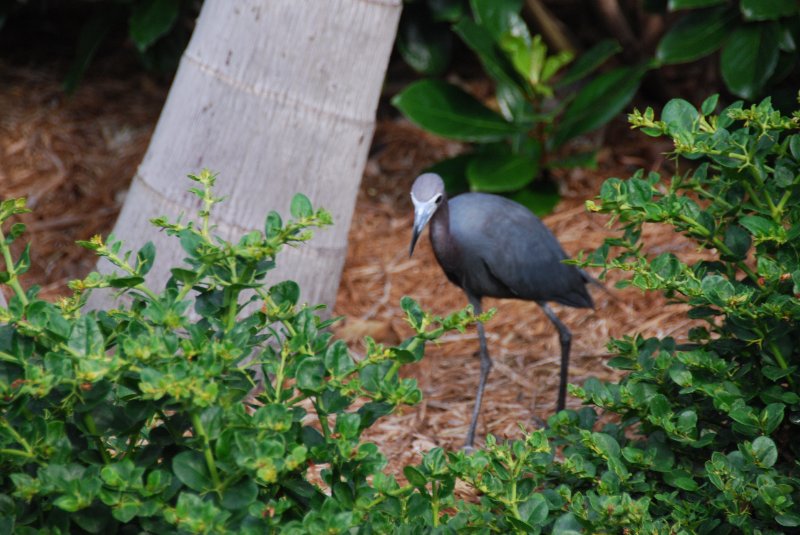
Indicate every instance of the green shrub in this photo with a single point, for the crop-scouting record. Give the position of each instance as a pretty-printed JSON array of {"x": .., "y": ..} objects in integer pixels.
[
  {"x": 513, "y": 147},
  {"x": 141, "y": 419},
  {"x": 704, "y": 439}
]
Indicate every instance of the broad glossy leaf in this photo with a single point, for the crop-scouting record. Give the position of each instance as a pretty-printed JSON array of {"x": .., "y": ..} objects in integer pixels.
[
  {"x": 513, "y": 103},
  {"x": 589, "y": 61},
  {"x": 749, "y": 58},
  {"x": 598, "y": 102},
  {"x": 498, "y": 169},
  {"x": 448, "y": 111},
  {"x": 425, "y": 45},
  {"x": 696, "y": 35},
  {"x": 500, "y": 17},
  {"x": 151, "y": 19},
  {"x": 768, "y": 9}
]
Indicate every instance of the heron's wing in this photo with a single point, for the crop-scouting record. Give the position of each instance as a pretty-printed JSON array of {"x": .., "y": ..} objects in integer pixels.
[{"x": 520, "y": 256}]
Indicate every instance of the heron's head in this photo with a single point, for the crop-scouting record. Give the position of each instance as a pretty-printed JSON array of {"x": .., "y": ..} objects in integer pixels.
[{"x": 427, "y": 194}]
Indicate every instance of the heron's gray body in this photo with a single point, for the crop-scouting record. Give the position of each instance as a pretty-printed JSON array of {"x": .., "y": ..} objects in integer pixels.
[{"x": 498, "y": 248}]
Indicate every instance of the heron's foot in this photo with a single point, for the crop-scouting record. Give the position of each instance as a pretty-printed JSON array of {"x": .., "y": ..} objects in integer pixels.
[{"x": 469, "y": 449}]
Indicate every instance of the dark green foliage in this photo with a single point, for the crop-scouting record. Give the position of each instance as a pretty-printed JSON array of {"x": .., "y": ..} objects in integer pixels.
[
  {"x": 524, "y": 136},
  {"x": 139, "y": 419},
  {"x": 158, "y": 29},
  {"x": 757, "y": 38}
]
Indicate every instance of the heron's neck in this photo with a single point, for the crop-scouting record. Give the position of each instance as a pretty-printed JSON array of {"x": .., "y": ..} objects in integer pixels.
[{"x": 443, "y": 244}]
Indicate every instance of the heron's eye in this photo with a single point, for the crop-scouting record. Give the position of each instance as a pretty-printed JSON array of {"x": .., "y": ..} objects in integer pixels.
[{"x": 438, "y": 199}]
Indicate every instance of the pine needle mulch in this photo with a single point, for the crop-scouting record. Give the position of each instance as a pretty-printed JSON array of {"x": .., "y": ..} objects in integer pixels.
[{"x": 73, "y": 158}]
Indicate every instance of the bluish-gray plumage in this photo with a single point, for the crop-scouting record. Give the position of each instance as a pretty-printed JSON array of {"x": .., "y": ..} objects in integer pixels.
[{"x": 491, "y": 246}]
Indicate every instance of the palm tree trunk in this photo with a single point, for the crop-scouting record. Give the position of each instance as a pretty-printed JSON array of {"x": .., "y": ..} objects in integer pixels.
[{"x": 278, "y": 97}]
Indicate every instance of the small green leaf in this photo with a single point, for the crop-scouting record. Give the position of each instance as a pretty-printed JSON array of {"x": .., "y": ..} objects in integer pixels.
[
  {"x": 273, "y": 224},
  {"x": 415, "y": 477},
  {"x": 190, "y": 468},
  {"x": 794, "y": 146},
  {"x": 311, "y": 375},
  {"x": 286, "y": 292},
  {"x": 681, "y": 479},
  {"x": 738, "y": 241},
  {"x": 765, "y": 452},
  {"x": 301, "y": 206},
  {"x": 240, "y": 495},
  {"x": 760, "y": 227},
  {"x": 534, "y": 510},
  {"x": 145, "y": 258},
  {"x": 709, "y": 104},
  {"x": 337, "y": 359},
  {"x": 680, "y": 116}
]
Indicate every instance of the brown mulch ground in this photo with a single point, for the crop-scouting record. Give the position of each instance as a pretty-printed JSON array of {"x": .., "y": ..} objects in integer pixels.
[{"x": 74, "y": 156}]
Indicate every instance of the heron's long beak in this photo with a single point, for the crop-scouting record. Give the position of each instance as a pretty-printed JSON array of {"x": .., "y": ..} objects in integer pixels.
[{"x": 423, "y": 211}]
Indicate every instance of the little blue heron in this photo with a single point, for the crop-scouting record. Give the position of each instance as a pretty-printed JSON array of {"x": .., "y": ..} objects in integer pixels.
[{"x": 490, "y": 246}]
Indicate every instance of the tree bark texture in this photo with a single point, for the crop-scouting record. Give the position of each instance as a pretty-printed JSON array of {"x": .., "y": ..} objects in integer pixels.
[{"x": 278, "y": 97}]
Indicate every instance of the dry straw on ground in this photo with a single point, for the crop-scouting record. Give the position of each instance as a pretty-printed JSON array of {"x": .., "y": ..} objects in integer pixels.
[{"x": 73, "y": 158}]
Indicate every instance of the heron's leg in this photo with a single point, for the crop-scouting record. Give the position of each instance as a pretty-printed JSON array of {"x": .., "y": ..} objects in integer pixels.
[
  {"x": 565, "y": 337},
  {"x": 486, "y": 366}
]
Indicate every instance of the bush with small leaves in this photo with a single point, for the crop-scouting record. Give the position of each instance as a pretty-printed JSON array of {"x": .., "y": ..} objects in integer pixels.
[
  {"x": 142, "y": 418},
  {"x": 702, "y": 433}
]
